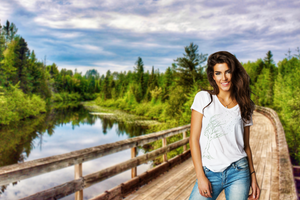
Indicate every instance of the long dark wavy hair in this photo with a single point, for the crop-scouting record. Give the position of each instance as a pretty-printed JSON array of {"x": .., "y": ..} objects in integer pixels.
[{"x": 240, "y": 82}]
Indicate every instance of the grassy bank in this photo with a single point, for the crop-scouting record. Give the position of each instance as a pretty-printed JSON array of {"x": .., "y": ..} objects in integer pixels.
[{"x": 149, "y": 112}]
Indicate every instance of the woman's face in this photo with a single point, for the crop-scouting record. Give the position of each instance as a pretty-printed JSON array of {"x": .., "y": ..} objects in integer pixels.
[{"x": 222, "y": 76}]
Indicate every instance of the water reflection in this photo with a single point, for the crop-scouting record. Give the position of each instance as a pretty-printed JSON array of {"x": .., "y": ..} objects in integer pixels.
[{"x": 63, "y": 128}]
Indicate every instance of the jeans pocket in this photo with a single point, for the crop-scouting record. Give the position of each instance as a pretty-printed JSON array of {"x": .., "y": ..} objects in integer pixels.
[
  {"x": 206, "y": 170},
  {"x": 242, "y": 164}
]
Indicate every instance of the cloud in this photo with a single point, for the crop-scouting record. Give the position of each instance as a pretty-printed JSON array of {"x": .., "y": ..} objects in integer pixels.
[
  {"x": 111, "y": 34},
  {"x": 92, "y": 49}
]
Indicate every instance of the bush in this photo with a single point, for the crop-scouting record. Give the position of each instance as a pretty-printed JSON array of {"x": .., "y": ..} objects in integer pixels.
[
  {"x": 64, "y": 96},
  {"x": 56, "y": 97},
  {"x": 155, "y": 111},
  {"x": 15, "y": 105}
]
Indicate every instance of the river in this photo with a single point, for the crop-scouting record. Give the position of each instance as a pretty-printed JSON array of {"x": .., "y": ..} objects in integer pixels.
[{"x": 62, "y": 129}]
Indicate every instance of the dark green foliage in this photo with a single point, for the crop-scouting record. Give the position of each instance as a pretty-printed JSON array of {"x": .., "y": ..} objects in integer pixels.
[
  {"x": 9, "y": 31},
  {"x": 92, "y": 73},
  {"x": 263, "y": 74},
  {"x": 15, "y": 105},
  {"x": 189, "y": 70},
  {"x": 139, "y": 86}
]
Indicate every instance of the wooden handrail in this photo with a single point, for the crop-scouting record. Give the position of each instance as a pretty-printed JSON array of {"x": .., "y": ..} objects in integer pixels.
[
  {"x": 17, "y": 172},
  {"x": 91, "y": 179}
]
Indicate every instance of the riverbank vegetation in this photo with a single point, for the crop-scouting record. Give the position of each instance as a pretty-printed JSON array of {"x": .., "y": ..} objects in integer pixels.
[
  {"x": 28, "y": 84},
  {"x": 165, "y": 96}
]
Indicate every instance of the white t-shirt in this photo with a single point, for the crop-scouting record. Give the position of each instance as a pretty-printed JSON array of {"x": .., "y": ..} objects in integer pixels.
[{"x": 222, "y": 132}]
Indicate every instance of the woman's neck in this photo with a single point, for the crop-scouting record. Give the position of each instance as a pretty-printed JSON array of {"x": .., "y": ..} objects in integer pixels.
[{"x": 225, "y": 95}]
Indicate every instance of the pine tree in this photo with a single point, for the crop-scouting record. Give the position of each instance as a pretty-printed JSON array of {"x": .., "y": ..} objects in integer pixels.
[
  {"x": 106, "y": 86},
  {"x": 288, "y": 54},
  {"x": 2, "y": 44},
  {"x": 298, "y": 53},
  {"x": 23, "y": 72},
  {"x": 189, "y": 69},
  {"x": 139, "y": 79},
  {"x": 10, "y": 31}
]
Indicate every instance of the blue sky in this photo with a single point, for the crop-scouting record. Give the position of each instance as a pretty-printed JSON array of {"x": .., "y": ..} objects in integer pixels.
[{"x": 111, "y": 34}]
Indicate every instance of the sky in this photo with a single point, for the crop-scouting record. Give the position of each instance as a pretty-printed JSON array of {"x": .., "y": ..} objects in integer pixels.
[{"x": 112, "y": 34}]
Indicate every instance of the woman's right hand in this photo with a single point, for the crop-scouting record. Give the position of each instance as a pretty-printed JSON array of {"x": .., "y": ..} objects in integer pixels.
[{"x": 205, "y": 186}]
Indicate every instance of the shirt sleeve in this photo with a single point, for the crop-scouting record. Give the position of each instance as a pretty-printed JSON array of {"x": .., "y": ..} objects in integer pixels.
[
  {"x": 249, "y": 123},
  {"x": 199, "y": 102}
]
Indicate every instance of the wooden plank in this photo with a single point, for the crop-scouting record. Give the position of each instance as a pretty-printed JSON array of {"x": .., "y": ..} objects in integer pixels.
[
  {"x": 167, "y": 189},
  {"x": 114, "y": 193},
  {"x": 59, "y": 191},
  {"x": 183, "y": 137},
  {"x": 267, "y": 177},
  {"x": 133, "y": 155},
  {"x": 180, "y": 186},
  {"x": 164, "y": 143},
  {"x": 274, "y": 177},
  {"x": 20, "y": 171},
  {"x": 186, "y": 194},
  {"x": 151, "y": 187},
  {"x": 77, "y": 175},
  {"x": 264, "y": 178}
]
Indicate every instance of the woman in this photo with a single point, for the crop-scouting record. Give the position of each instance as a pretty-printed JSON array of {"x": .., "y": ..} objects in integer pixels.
[{"x": 220, "y": 129}]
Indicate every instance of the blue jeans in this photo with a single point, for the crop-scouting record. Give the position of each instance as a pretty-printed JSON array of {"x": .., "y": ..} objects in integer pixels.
[{"x": 235, "y": 180}]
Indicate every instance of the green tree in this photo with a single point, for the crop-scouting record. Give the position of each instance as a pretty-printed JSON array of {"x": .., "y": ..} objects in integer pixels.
[
  {"x": 2, "y": 43},
  {"x": 168, "y": 81},
  {"x": 24, "y": 75},
  {"x": 106, "y": 86},
  {"x": 92, "y": 72},
  {"x": 10, "y": 31},
  {"x": 189, "y": 69},
  {"x": 8, "y": 70},
  {"x": 140, "y": 84},
  {"x": 263, "y": 74}
]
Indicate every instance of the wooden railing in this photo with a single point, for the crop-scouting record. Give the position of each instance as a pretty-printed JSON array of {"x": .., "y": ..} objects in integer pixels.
[
  {"x": 287, "y": 187},
  {"x": 21, "y": 171}
]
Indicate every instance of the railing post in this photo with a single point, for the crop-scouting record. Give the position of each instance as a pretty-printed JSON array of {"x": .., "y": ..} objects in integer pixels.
[
  {"x": 164, "y": 143},
  {"x": 78, "y": 174},
  {"x": 133, "y": 155},
  {"x": 184, "y": 136}
]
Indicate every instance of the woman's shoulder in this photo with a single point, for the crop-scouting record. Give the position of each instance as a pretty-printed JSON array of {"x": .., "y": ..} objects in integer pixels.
[{"x": 203, "y": 94}]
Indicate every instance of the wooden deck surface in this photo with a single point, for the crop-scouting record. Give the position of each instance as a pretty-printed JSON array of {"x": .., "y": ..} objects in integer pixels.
[{"x": 178, "y": 182}]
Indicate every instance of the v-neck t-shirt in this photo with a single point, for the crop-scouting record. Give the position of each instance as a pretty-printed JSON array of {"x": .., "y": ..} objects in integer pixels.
[{"x": 222, "y": 132}]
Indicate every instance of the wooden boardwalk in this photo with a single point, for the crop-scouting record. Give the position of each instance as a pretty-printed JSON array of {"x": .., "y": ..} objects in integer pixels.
[{"x": 178, "y": 182}]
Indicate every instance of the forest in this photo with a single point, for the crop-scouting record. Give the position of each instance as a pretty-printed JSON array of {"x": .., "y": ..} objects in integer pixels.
[{"x": 29, "y": 85}]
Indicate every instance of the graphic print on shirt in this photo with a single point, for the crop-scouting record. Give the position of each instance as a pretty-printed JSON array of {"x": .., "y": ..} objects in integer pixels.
[{"x": 219, "y": 125}]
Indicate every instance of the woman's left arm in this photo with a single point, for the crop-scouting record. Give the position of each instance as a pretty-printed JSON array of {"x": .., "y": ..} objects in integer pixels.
[{"x": 255, "y": 188}]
